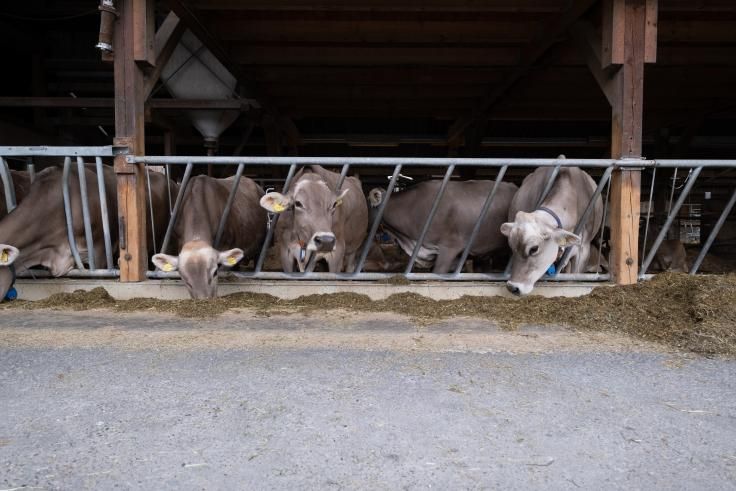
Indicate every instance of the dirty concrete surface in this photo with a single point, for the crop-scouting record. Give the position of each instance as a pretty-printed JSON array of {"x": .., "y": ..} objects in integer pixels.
[{"x": 344, "y": 400}]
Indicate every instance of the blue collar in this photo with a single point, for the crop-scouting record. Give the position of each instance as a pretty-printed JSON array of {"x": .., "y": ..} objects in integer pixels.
[{"x": 552, "y": 214}]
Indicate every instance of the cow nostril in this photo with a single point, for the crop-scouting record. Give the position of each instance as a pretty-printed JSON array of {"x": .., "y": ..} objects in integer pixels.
[{"x": 513, "y": 288}]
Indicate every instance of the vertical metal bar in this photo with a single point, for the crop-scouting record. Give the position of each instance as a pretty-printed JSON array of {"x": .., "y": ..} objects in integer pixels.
[
  {"x": 82, "y": 175},
  {"x": 168, "y": 184},
  {"x": 228, "y": 205},
  {"x": 603, "y": 224},
  {"x": 68, "y": 213},
  {"x": 377, "y": 220},
  {"x": 272, "y": 228},
  {"x": 7, "y": 186},
  {"x": 31, "y": 168},
  {"x": 588, "y": 210},
  {"x": 342, "y": 177},
  {"x": 649, "y": 214},
  {"x": 428, "y": 221},
  {"x": 103, "y": 211},
  {"x": 150, "y": 207},
  {"x": 670, "y": 218},
  {"x": 714, "y": 233},
  {"x": 479, "y": 220},
  {"x": 177, "y": 205}
]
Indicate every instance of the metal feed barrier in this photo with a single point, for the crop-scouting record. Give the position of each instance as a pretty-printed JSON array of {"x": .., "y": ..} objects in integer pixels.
[
  {"x": 77, "y": 155},
  {"x": 345, "y": 163}
]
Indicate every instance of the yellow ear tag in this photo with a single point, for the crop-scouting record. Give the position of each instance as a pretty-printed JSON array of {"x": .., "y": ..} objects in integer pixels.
[
  {"x": 168, "y": 268},
  {"x": 278, "y": 207},
  {"x": 231, "y": 261},
  {"x": 4, "y": 257},
  {"x": 338, "y": 202}
]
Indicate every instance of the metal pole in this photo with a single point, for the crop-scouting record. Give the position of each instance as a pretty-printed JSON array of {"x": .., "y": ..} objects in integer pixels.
[
  {"x": 670, "y": 218},
  {"x": 150, "y": 207},
  {"x": 586, "y": 214},
  {"x": 548, "y": 186},
  {"x": 428, "y": 221},
  {"x": 82, "y": 175},
  {"x": 649, "y": 213},
  {"x": 377, "y": 220},
  {"x": 31, "y": 168},
  {"x": 103, "y": 211},
  {"x": 7, "y": 186},
  {"x": 177, "y": 205},
  {"x": 342, "y": 177},
  {"x": 168, "y": 184},
  {"x": 270, "y": 231},
  {"x": 228, "y": 205},
  {"x": 68, "y": 213},
  {"x": 714, "y": 233},
  {"x": 603, "y": 224},
  {"x": 479, "y": 220}
]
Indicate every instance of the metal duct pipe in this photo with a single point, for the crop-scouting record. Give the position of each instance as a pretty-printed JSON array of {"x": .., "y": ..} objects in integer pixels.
[{"x": 108, "y": 13}]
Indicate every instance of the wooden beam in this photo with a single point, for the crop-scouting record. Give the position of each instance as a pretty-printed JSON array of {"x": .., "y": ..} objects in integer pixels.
[
  {"x": 143, "y": 13},
  {"x": 129, "y": 132},
  {"x": 494, "y": 6},
  {"x": 108, "y": 102},
  {"x": 588, "y": 42},
  {"x": 166, "y": 39},
  {"x": 528, "y": 58}
]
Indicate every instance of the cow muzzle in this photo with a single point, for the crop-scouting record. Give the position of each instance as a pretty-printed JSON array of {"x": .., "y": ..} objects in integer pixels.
[
  {"x": 518, "y": 289},
  {"x": 322, "y": 242}
]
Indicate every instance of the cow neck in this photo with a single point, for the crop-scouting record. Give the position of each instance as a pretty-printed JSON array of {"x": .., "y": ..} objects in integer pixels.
[
  {"x": 16, "y": 230},
  {"x": 552, "y": 214},
  {"x": 555, "y": 267}
]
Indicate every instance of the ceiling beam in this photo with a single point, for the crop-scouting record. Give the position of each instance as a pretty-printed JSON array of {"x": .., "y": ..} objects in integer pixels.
[
  {"x": 109, "y": 102},
  {"x": 165, "y": 42},
  {"x": 529, "y": 56}
]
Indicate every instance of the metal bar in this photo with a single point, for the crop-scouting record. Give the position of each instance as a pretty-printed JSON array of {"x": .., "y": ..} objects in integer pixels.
[
  {"x": 275, "y": 275},
  {"x": 377, "y": 220},
  {"x": 177, "y": 205},
  {"x": 548, "y": 186},
  {"x": 343, "y": 173},
  {"x": 649, "y": 214},
  {"x": 44, "y": 151},
  {"x": 82, "y": 175},
  {"x": 586, "y": 214},
  {"x": 31, "y": 168},
  {"x": 670, "y": 218},
  {"x": 272, "y": 228},
  {"x": 479, "y": 220},
  {"x": 74, "y": 273},
  {"x": 428, "y": 221},
  {"x": 8, "y": 187},
  {"x": 228, "y": 205},
  {"x": 603, "y": 224},
  {"x": 150, "y": 208},
  {"x": 714, "y": 233},
  {"x": 68, "y": 213},
  {"x": 103, "y": 212},
  {"x": 168, "y": 184}
]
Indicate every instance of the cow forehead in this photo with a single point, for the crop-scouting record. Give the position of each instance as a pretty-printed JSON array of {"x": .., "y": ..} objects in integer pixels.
[
  {"x": 312, "y": 190},
  {"x": 197, "y": 252},
  {"x": 525, "y": 231}
]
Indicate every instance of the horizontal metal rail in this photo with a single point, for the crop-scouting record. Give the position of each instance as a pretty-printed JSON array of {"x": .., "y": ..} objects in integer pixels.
[{"x": 43, "y": 151}]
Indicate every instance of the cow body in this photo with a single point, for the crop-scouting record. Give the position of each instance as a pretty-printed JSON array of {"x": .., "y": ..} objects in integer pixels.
[
  {"x": 21, "y": 186},
  {"x": 202, "y": 207},
  {"x": 406, "y": 212},
  {"x": 35, "y": 233},
  {"x": 536, "y": 238},
  {"x": 317, "y": 219}
]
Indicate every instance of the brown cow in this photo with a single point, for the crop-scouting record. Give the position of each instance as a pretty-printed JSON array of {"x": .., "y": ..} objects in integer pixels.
[
  {"x": 317, "y": 219},
  {"x": 202, "y": 207},
  {"x": 21, "y": 186}
]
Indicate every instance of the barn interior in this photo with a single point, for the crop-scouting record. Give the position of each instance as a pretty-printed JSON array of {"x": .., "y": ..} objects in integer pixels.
[{"x": 399, "y": 78}]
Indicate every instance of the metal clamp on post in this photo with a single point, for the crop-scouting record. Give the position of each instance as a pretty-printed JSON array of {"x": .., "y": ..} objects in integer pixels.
[
  {"x": 121, "y": 151},
  {"x": 643, "y": 161}
]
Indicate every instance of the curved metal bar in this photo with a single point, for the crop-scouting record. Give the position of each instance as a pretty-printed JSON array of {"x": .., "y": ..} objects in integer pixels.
[
  {"x": 168, "y": 185},
  {"x": 343, "y": 173},
  {"x": 177, "y": 205},
  {"x": 228, "y": 205},
  {"x": 7, "y": 186},
  {"x": 150, "y": 207},
  {"x": 82, "y": 175},
  {"x": 714, "y": 233},
  {"x": 603, "y": 224},
  {"x": 428, "y": 221},
  {"x": 548, "y": 186},
  {"x": 479, "y": 220},
  {"x": 670, "y": 218},
  {"x": 68, "y": 213},
  {"x": 377, "y": 220},
  {"x": 103, "y": 211},
  {"x": 649, "y": 214},
  {"x": 272, "y": 227}
]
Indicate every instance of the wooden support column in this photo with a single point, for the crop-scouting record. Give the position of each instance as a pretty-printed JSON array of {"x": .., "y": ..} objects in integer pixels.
[{"x": 132, "y": 51}]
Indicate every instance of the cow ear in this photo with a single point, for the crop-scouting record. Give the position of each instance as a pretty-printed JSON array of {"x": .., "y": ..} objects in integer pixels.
[
  {"x": 231, "y": 257},
  {"x": 8, "y": 254},
  {"x": 375, "y": 196},
  {"x": 338, "y": 200},
  {"x": 166, "y": 263},
  {"x": 276, "y": 202},
  {"x": 565, "y": 238},
  {"x": 506, "y": 228}
]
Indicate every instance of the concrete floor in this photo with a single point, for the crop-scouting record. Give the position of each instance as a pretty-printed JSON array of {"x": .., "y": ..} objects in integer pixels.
[{"x": 351, "y": 401}]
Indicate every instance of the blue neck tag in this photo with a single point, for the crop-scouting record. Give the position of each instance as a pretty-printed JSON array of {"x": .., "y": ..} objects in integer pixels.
[
  {"x": 12, "y": 294},
  {"x": 552, "y": 271}
]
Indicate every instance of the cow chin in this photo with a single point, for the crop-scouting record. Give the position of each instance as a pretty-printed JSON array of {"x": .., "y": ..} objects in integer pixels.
[{"x": 518, "y": 288}]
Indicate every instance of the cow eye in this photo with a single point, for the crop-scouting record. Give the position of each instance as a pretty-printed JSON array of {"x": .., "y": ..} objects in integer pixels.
[
  {"x": 299, "y": 204},
  {"x": 533, "y": 250}
]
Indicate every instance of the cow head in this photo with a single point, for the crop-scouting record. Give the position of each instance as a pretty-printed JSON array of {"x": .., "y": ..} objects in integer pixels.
[
  {"x": 8, "y": 255},
  {"x": 313, "y": 206},
  {"x": 535, "y": 244},
  {"x": 197, "y": 264}
]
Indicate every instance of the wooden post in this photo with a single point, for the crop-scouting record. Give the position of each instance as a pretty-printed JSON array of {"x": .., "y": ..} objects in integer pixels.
[
  {"x": 628, "y": 26},
  {"x": 130, "y": 40}
]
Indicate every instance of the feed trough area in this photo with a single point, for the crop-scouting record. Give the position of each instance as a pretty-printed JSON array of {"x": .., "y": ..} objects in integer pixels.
[{"x": 412, "y": 204}]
